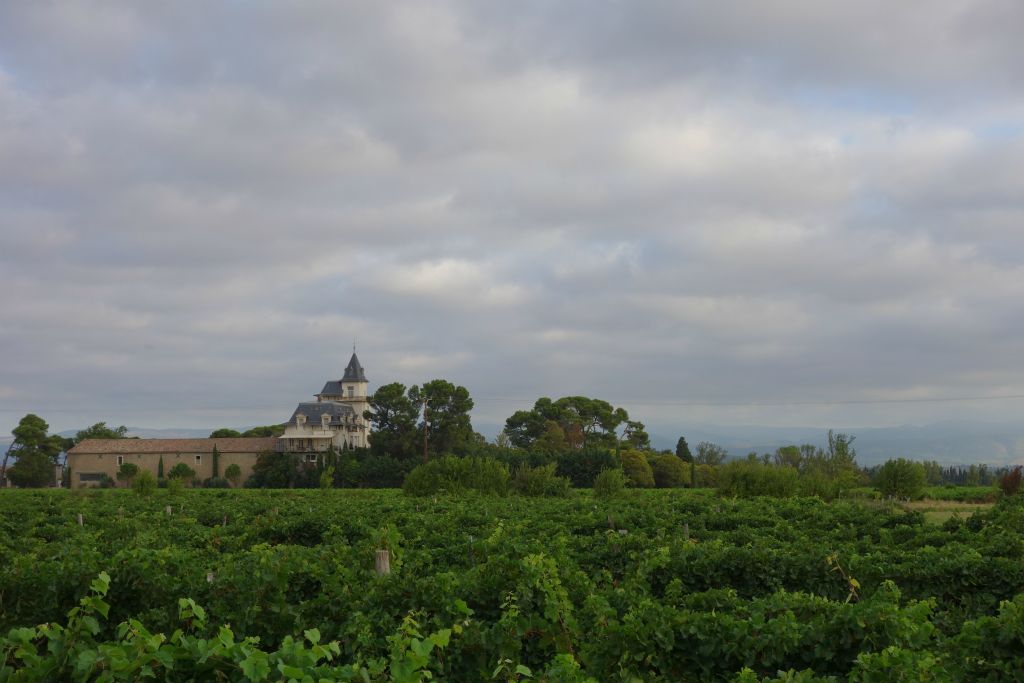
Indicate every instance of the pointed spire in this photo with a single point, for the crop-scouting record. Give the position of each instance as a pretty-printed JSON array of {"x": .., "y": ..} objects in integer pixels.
[{"x": 354, "y": 371}]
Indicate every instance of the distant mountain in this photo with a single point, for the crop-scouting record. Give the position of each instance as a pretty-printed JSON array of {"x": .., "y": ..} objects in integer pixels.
[{"x": 950, "y": 443}]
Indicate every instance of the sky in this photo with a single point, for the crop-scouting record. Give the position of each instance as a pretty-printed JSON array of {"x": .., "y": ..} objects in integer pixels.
[{"x": 789, "y": 213}]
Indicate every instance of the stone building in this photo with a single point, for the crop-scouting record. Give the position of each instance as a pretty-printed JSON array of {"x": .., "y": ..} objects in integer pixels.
[
  {"x": 93, "y": 458},
  {"x": 334, "y": 419}
]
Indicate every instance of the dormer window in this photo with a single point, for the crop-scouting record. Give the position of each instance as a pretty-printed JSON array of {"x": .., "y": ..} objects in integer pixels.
[
  {"x": 351, "y": 391},
  {"x": 325, "y": 420},
  {"x": 300, "y": 420}
]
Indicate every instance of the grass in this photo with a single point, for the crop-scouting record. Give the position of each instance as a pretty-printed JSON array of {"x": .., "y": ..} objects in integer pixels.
[{"x": 939, "y": 511}]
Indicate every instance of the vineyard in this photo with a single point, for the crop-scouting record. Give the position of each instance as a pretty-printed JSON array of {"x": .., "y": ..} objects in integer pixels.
[{"x": 674, "y": 585}]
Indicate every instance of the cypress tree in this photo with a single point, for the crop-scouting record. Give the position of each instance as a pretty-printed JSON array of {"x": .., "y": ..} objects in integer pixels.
[
  {"x": 216, "y": 462},
  {"x": 160, "y": 468}
]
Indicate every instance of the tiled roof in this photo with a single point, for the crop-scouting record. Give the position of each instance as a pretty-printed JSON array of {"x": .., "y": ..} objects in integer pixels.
[{"x": 133, "y": 446}]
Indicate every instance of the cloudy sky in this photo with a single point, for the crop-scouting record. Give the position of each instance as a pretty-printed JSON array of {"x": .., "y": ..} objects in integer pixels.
[{"x": 789, "y": 213}]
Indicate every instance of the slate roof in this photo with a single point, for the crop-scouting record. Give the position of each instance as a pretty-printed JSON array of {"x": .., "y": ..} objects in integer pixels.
[
  {"x": 332, "y": 388},
  {"x": 354, "y": 371},
  {"x": 313, "y": 411},
  {"x": 135, "y": 446}
]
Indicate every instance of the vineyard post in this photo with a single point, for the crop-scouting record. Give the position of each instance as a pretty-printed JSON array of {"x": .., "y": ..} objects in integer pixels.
[
  {"x": 167, "y": 510},
  {"x": 81, "y": 520},
  {"x": 382, "y": 564}
]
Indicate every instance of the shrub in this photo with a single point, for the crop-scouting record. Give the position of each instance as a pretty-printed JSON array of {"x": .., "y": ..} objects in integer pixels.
[
  {"x": 901, "y": 478},
  {"x": 215, "y": 483},
  {"x": 746, "y": 479},
  {"x": 669, "y": 471},
  {"x": 540, "y": 481},
  {"x": 637, "y": 469},
  {"x": 233, "y": 473},
  {"x": 181, "y": 471},
  {"x": 610, "y": 483},
  {"x": 381, "y": 472},
  {"x": 144, "y": 483},
  {"x": 1010, "y": 482},
  {"x": 457, "y": 475}
]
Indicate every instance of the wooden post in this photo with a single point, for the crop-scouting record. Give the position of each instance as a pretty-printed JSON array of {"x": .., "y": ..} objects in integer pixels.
[
  {"x": 209, "y": 577},
  {"x": 225, "y": 522},
  {"x": 383, "y": 563},
  {"x": 167, "y": 510},
  {"x": 81, "y": 520},
  {"x": 686, "y": 531}
]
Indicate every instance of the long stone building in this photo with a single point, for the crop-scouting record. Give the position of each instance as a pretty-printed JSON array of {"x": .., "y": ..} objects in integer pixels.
[{"x": 335, "y": 419}]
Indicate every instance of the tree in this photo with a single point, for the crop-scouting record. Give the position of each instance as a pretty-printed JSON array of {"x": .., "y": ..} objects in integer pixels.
[
  {"x": 585, "y": 422},
  {"x": 637, "y": 469},
  {"x": 710, "y": 454},
  {"x": 144, "y": 484},
  {"x": 160, "y": 468},
  {"x": 669, "y": 471},
  {"x": 900, "y": 478},
  {"x": 127, "y": 472},
  {"x": 1010, "y": 482},
  {"x": 215, "y": 457},
  {"x": 233, "y": 473},
  {"x": 636, "y": 436},
  {"x": 264, "y": 431},
  {"x": 683, "y": 450},
  {"x": 788, "y": 456},
  {"x": 225, "y": 433},
  {"x": 393, "y": 416},
  {"x": 446, "y": 410},
  {"x": 37, "y": 451},
  {"x": 100, "y": 430},
  {"x": 182, "y": 472}
]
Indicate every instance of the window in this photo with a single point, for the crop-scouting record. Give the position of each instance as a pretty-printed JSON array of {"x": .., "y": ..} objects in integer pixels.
[
  {"x": 351, "y": 392},
  {"x": 120, "y": 460},
  {"x": 199, "y": 460},
  {"x": 311, "y": 457}
]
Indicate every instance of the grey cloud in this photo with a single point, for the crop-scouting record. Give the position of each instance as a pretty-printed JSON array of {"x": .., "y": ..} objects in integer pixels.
[{"x": 664, "y": 205}]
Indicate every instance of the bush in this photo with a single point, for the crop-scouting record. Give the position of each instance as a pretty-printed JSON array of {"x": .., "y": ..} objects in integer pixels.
[
  {"x": 610, "y": 483},
  {"x": 381, "y": 472},
  {"x": 1010, "y": 482},
  {"x": 182, "y": 471},
  {"x": 144, "y": 483},
  {"x": 233, "y": 474},
  {"x": 540, "y": 481},
  {"x": 216, "y": 483},
  {"x": 457, "y": 475},
  {"x": 637, "y": 469},
  {"x": 901, "y": 478},
  {"x": 669, "y": 471},
  {"x": 746, "y": 479}
]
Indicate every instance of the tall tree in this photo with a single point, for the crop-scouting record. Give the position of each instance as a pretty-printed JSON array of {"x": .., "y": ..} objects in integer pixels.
[
  {"x": 215, "y": 457},
  {"x": 584, "y": 421},
  {"x": 683, "y": 450},
  {"x": 710, "y": 454},
  {"x": 100, "y": 430},
  {"x": 393, "y": 416},
  {"x": 225, "y": 433},
  {"x": 445, "y": 416},
  {"x": 636, "y": 436},
  {"x": 37, "y": 452}
]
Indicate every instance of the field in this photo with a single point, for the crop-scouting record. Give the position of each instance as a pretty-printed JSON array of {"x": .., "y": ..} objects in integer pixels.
[{"x": 668, "y": 585}]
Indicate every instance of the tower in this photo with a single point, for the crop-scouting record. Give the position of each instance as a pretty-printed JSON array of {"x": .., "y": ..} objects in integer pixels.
[{"x": 336, "y": 419}]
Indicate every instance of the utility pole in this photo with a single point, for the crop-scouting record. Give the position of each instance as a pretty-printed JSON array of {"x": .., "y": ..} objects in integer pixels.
[{"x": 426, "y": 429}]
